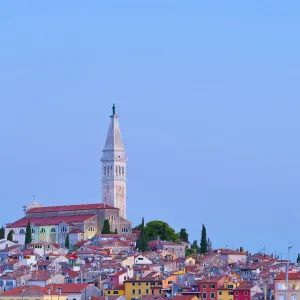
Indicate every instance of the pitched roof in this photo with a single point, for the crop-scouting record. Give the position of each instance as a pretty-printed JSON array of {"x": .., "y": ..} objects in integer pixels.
[
  {"x": 69, "y": 288},
  {"x": 28, "y": 290},
  {"x": 70, "y": 207},
  {"x": 50, "y": 220},
  {"x": 292, "y": 276}
]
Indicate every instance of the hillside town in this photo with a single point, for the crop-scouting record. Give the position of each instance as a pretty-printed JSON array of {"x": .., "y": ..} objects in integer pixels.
[
  {"x": 91, "y": 251},
  {"x": 109, "y": 266}
]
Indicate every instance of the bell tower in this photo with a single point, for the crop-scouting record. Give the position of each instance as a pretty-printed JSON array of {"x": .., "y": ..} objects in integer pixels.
[{"x": 114, "y": 163}]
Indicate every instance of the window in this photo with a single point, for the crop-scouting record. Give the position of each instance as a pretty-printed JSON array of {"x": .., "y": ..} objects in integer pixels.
[
  {"x": 53, "y": 230},
  {"x": 43, "y": 230},
  {"x": 147, "y": 291},
  {"x": 63, "y": 229},
  {"x": 147, "y": 283},
  {"x": 246, "y": 293},
  {"x": 236, "y": 293},
  {"x": 22, "y": 231},
  {"x": 108, "y": 292},
  {"x": 212, "y": 295},
  {"x": 160, "y": 283},
  {"x": 133, "y": 284},
  {"x": 32, "y": 230},
  {"x": 160, "y": 291},
  {"x": 230, "y": 293},
  {"x": 116, "y": 292},
  {"x": 122, "y": 170},
  {"x": 91, "y": 229},
  {"x": 230, "y": 286},
  {"x": 204, "y": 295},
  {"x": 133, "y": 292},
  {"x": 139, "y": 291},
  {"x": 220, "y": 293},
  {"x": 204, "y": 286},
  {"x": 212, "y": 286}
]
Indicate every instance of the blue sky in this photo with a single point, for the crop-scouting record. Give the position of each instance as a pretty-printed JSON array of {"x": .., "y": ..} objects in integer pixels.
[{"x": 208, "y": 98}]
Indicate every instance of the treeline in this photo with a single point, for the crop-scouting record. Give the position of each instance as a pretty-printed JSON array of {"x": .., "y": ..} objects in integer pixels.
[{"x": 155, "y": 230}]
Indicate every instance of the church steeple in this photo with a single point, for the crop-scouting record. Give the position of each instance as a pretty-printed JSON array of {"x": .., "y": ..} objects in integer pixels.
[{"x": 114, "y": 167}]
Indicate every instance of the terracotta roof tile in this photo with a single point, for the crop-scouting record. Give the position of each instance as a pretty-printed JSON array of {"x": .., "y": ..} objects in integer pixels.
[{"x": 71, "y": 207}]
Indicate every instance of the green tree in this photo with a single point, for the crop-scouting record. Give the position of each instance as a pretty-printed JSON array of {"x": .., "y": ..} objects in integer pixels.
[
  {"x": 10, "y": 235},
  {"x": 67, "y": 242},
  {"x": 195, "y": 247},
  {"x": 183, "y": 235},
  {"x": 189, "y": 252},
  {"x": 106, "y": 227},
  {"x": 203, "y": 243},
  {"x": 142, "y": 242},
  {"x": 157, "y": 229},
  {"x": 28, "y": 237},
  {"x": 298, "y": 258},
  {"x": 2, "y": 233},
  {"x": 164, "y": 234}
]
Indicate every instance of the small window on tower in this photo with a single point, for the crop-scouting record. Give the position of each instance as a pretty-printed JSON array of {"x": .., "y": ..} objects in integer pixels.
[
  {"x": 116, "y": 170},
  {"x": 122, "y": 170}
]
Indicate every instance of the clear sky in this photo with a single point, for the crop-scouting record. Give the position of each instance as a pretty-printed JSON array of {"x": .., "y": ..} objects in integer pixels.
[{"x": 208, "y": 98}]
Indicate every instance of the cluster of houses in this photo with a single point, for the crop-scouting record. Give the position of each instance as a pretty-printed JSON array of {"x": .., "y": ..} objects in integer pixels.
[{"x": 109, "y": 267}]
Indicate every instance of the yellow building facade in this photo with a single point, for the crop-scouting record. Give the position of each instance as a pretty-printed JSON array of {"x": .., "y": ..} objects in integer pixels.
[
  {"x": 225, "y": 291},
  {"x": 142, "y": 287}
]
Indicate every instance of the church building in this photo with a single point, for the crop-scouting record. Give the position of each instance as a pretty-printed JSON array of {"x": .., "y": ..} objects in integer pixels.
[{"x": 51, "y": 224}]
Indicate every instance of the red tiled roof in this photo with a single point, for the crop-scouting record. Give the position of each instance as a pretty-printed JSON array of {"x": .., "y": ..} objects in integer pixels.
[
  {"x": 185, "y": 297},
  {"x": 292, "y": 276},
  {"x": 50, "y": 220},
  {"x": 71, "y": 207},
  {"x": 244, "y": 287},
  {"x": 69, "y": 288},
  {"x": 29, "y": 290}
]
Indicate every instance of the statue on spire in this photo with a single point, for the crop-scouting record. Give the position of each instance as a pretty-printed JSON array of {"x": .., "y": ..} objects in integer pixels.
[{"x": 114, "y": 109}]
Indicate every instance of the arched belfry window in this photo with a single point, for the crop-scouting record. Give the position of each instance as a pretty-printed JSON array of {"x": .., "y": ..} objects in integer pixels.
[
  {"x": 104, "y": 171},
  {"x": 116, "y": 170},
  {"x": 123, "y": 171}
]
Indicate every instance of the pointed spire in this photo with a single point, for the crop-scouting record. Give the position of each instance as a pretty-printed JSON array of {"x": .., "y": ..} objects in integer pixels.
[{"x": 114, "y": 139}]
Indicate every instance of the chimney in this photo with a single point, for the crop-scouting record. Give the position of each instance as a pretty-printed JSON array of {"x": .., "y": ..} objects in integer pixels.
[
  {"x": 241, "y": 249},
  {"x": 49, "y": 291}
]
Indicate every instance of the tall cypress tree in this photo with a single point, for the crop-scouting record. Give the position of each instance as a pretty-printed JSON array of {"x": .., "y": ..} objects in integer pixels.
[
  {"x": 298, "y": 258},
  {"x": 106, "y": 227},
  {"x": 2, "y": 233},
  {"x": 67, "y": 242},
  {"x": 28, "y": 237},
  {"x": 164, "y": 232},
  {"x": 142, "y": 242},
  {"x": 203, "y": 243},
  {"x": 10, "y": 235}
]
